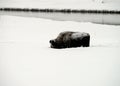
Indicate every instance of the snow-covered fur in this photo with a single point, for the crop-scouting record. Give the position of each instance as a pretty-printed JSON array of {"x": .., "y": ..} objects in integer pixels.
[{"x": 69, "y": 39}]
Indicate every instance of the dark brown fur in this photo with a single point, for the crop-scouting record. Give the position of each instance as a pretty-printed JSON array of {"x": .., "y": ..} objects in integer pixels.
[{"x": 66, "y": 40}]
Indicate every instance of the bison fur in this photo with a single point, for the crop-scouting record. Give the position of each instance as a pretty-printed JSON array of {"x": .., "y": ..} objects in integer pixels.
[{"x": 68, "y": 39}]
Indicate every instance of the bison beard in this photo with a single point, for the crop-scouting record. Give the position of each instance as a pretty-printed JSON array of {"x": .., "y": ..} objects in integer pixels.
[{"x": 69, "y": 39}]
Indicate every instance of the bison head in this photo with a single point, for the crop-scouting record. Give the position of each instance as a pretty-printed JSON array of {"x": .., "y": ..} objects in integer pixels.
[{"x": 56, "y": 44}]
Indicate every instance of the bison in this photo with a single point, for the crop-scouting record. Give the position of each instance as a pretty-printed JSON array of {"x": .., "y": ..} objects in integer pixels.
[{"x": 68, "y": 39}]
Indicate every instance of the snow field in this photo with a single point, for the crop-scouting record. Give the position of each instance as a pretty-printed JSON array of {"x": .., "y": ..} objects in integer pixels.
[{"x": 27, "y": 60}]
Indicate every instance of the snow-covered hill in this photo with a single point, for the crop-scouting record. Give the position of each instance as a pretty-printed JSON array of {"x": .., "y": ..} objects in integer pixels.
[{"x": 27, "y": 60}]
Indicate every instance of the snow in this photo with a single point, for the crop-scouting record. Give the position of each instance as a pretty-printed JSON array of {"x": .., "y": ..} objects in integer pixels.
[
  {"x": 27, "y": 60},
  {"x": 79, "y": 17},
  {"x": 67, "y": 4},
  {"x": 79, "y": 34}
]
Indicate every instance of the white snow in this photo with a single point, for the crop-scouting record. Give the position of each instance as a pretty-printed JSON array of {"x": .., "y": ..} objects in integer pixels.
[
  {"x": 27, "y": 60},
  {"x": 79, "y": 17},
  {"x": 79, "y": 34}
]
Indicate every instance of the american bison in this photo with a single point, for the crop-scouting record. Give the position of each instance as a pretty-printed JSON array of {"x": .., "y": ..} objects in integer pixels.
[{"x": 69, "y": 39}]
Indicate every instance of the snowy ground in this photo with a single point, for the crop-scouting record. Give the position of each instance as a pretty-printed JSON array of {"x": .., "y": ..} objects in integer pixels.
[
  {"x": 111, "y": 19},
  {"x": 27, "y": 60}
]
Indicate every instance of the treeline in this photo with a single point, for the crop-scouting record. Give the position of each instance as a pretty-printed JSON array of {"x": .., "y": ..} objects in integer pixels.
[{"x": 61, "y": 10}]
